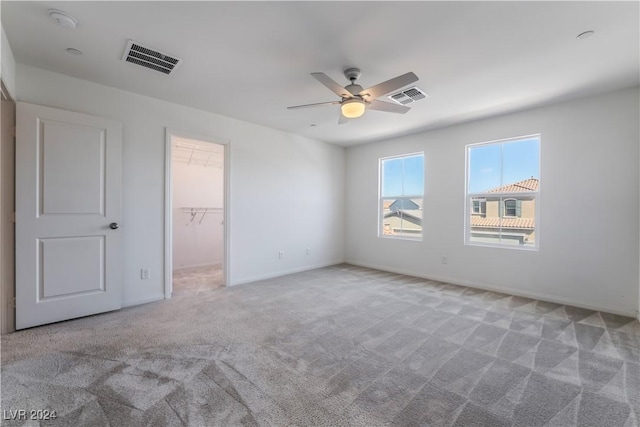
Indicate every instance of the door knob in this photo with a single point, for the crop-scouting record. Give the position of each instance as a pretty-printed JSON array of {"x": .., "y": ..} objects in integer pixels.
[{"x": 114, "y": 226}]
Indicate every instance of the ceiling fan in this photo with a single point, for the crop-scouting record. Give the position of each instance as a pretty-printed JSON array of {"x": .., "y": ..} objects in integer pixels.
[{"x": 355, "y": 100}]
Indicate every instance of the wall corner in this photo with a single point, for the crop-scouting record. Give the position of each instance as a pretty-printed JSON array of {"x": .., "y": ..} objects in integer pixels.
[{"x": 7, "y": 64}]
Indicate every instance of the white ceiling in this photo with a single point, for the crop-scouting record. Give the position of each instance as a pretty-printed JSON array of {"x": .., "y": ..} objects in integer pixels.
[{"x": 250, "y": 60}]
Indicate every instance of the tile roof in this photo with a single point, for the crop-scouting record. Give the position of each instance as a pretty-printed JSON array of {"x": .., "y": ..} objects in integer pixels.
[
  {"x": 527, "y": 223},
  {"x": 526, "y": 185}
]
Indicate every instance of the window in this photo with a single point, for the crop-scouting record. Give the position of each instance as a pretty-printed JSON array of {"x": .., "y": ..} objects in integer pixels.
[
  {"x": 503, "y": 182},
  {"x": 401, "y": 196},
  {"x": 479, "y": 206},
  {"x": 510, "y": 207}
]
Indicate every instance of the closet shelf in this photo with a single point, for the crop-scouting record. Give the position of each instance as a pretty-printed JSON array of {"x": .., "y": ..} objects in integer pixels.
[
  {"x": 191, "y": 209},
  {"x": 198, "y": 154}
]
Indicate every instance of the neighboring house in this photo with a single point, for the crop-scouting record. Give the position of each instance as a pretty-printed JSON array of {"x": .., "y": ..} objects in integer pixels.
[
  {"x": 402, "y": 216},
  {"x": 501, "y": 219},
  {"x": 506, "y": 219}
]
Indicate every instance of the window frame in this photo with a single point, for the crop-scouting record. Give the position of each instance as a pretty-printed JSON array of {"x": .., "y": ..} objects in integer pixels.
[
  {"x": 382, "y": 199},
  {"x": 533, "y": 195}
]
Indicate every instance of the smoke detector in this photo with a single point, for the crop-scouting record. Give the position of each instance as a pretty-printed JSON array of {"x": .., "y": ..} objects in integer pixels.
[{"x": 63, "y": 18}]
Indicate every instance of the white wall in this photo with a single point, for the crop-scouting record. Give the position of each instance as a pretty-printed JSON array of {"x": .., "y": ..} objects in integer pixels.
[
  {"x": 274, "y": 176},
  {"x": 589, "y": 206},
  {"x": 7, "y": 64},
  {"x": 197, "y": 240}
]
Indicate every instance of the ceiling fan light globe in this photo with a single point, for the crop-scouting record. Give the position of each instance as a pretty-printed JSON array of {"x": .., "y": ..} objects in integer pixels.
[{"x": 352, "y": 108}]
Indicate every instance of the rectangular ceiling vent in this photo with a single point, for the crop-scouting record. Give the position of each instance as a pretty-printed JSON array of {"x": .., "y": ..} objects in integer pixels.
[
  {"x": 150, "y": 58},
  {"x": 407, "y": 96}
]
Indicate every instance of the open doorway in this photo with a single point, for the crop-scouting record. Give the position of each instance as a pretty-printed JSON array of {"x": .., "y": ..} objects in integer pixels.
[{"x": 196, "y": 221}]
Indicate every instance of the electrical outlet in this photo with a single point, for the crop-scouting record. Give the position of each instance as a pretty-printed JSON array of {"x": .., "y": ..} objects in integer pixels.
[
  {"x": 444, "y": 259},
  {"x": 145, "y": 274},
  {"x": 308, "y": 251},
  {"x": 280, "y": 255}
]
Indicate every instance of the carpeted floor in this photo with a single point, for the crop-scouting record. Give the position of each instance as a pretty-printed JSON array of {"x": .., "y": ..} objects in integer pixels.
[
  {"x": 197, "y": 279},
  {"x": 336, "y": 346}
]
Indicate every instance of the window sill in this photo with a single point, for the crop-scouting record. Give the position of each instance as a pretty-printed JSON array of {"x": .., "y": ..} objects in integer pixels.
[
  {"x": 515, "y": 247},
  {"x": 414, "y": 239}
]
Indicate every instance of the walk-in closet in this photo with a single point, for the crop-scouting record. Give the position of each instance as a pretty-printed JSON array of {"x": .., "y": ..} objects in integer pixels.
[{"x": 198, "y": 214}]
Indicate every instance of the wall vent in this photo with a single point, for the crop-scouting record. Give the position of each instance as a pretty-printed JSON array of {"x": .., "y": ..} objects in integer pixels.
[
  {"x": 407, "y": 96},
  {"x": 147, "y": 57}
]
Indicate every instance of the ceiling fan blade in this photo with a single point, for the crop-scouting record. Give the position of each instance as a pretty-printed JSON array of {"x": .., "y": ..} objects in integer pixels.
[
  {"x": 342, "y": 120},
  {"x": 387, "y": 107},
  {"x": 332, "y": 85},
  {"x": 317, "y": 104},
  {"x": 390, "y": 85}
]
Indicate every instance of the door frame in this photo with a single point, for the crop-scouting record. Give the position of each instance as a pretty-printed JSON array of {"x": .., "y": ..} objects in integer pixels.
[
  {"x": 7, "y": 225},
  {"x": 168, "y": 205}
]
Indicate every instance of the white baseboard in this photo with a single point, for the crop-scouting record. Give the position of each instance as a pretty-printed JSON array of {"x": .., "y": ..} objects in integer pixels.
[
  {"x": 284, "y": 273},
  {"x": 505, "y": 290},
  {"x": 208, "y": 264}
]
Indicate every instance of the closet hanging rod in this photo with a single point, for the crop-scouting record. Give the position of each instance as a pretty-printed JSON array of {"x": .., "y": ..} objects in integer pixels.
[{"x": 193, "y": 211}]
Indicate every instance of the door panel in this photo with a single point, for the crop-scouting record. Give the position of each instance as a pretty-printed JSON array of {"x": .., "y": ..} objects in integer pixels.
[
  {"x": 72, "y": 169},
  {"x": 71, "y": 265},
  {"x": 68, "y": 189}
]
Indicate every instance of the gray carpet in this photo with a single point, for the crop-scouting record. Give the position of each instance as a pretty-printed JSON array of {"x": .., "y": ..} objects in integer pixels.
[
  {"x": 197, "y": 279},
  {"x": 336, "y": 346}
]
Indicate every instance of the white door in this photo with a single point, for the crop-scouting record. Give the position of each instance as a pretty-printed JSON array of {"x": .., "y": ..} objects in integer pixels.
[{"x": 68, "y": 185}]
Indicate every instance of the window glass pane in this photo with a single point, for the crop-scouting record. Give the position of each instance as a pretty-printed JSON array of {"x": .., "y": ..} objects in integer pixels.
[
  {"x": 528, "y": 217},
  {"x": 484, "y": 168},
  {"x": 392, "y": 177},
  {"x": 413, "y": 176},
  {"x": 520, "y": 162},
  {"x": 494, "y": 169},
  {"x": 402, "y": 217},
  {"x": 402, "y": 177},
  {"x": 518, "y": 231},
  {"x": 485, "y": 228}
]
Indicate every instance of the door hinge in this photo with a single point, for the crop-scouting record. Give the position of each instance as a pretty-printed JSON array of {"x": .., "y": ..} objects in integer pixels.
[
  {"x": 13, "y": 303},
  {"x": 12, "y": 131},
  {"x": 13, "y": 217}
]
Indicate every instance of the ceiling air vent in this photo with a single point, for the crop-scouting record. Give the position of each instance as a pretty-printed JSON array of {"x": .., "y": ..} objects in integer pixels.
[
  {"x": 407, "y": 96},
  {"x": 150, "y": 58}
]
